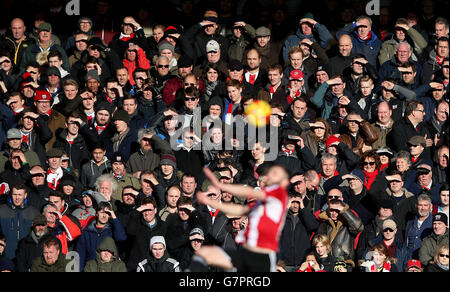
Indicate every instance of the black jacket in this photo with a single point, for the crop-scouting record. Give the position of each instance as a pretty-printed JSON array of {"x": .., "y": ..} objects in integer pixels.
[
  {"x": 295, "y": 237},
  {"x": 29, "y": 249},
  {"x": 162, "y": 265},
  {"x": 77, "y": 151},
  {"x": 142, "y": 234},
  {"x": 402, "y": 131}
]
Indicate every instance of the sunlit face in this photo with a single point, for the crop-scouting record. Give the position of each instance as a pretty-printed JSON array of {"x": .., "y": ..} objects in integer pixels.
[
  {"x": 306, "y": 28},
  {"x": 402, "y": 165},
  {"x": 366, "y": 88},
  {"x": 88, "y": 100},
  {"x": 369, "y": 164},
  {"x": 18, "y": 29},
  {"x": 150, "y": 213},
  {"x": 102, "y": 117},
  {"x": 274, "y": 77},
  {"x": 131, "y": 55},
  {"x": 440, "y": 30},
  {"x": 258, "y": 151},
  {"x": 443, "y": 257},
  {"x": 235, "y": 94},
  {"x": 87, "y": 201},
  {"x": 263, "y": 41},
  {"x": 439, "y": 227},
  {"x": 39, "y": 178},
  {"x": 105, "y": 188},
  {"x": 364, "y": 27},
  {"x": 338, "y": 89},
  {"x": 444, "y": 198},
  {"x": 93, "y": 85},
  {"x": 158, "y": 250},
  {"x": 400, "y": 34},
  {"x": 55, "y": 62},
  {"x": 253, "y": 60},
  {"x": 106, "y": 256},
  {"x": 196, "y": 244},
  {"x": 163, "y": 67},
  {"x": 122, "y": 76},
  {"x": 408, "y": 75},
  {"x": 319, "y": 130},
  {"x": 158, "y": 33},
  {"x": 321, "y": 249},
  {"x": 118, "y": 167},
  {"x": 183, "y": 213},
  {"x": 6, "y": 64},
  {"x": 352, "y": 123},
  {"x": 215, "y": 111},
  {"x": 321, "y": 77},
  {"x": 216, "y": 135},
  {"x": 70, "y": 91},
  {"x": 121, "y": 126},
  {"x": 16, "y": 102},
  {"x": 378, "y": 257},
  {"x": 42, "y": 106},
  {"x": 442, "y": 49},
  {"x": 188, "y": 185},
  {"x": 130, "y": 106},
  {"x": 424, "y": 208},
  {"x": 396, "y": 184},
  {"x": 146, "y": 185},
  {"x": 50, "y": 254},
  {"x": 213, "y": 57},
  {"x": 18, "y": 197},
  {"x": 103, "y": 216},
  {"x": 173, "y": 194},
  {"x": 45, "y": 36},
  {"x": 54, "y": 162},
  {"x": 296, "y": 60},
  {"x": 329, "y": 167},
  {"x": 345, "y": 46},
  {"x": 403, "y": 53},
  {"x": 443, "y": 157}
]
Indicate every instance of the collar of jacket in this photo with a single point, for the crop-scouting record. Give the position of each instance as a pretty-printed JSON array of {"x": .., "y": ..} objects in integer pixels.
[{"x": 406, "y": 193}]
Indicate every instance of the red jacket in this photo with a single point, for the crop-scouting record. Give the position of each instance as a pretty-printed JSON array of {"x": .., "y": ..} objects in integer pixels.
[
  {"x": 69, "y": 233},
  {"x": 141, "y": 62}
]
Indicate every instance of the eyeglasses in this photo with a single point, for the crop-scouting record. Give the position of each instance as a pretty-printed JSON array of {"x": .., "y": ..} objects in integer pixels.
[
  {"x": 369, "y": 163},
  {"x": 190, "y": 98},
  {"x": 162, "y": 66},
  {"x": 388, "y": 230},
  {"x": 441, "y": 255}
]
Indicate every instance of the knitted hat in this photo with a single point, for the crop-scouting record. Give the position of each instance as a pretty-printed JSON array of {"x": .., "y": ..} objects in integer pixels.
[
  {"x": 359, "y": 174},
  {"x": 389, "y": 223},
  {"x": 92, "y": 74},
  {"x": 157, "y": 239},
  {"x": 184, "y": 62},
  {"x": 440, "y": 217},
  {"x": 332, "y": 139},
  {"x": 234, "y": 64},
  {"x": 121, "y": 115},
  {"x": 387, "y": 204},
  {"x": 168, "y": 159},
  {"x": 165, "y": 45},
  {"x": 103, "y": 106},
  {"x": 196, "y": 233}
]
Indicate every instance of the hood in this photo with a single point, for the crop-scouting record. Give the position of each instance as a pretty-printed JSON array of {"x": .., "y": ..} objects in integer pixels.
[{"x": 107, "y": 244}]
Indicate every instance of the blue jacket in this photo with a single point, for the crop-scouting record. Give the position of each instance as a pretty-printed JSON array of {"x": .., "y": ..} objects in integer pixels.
[
  {"x": 415, "y": 235},
  {"x": 15, "y": 224},
  {"x": 90, "y": 239},
  {"x": 320, "y": 35},
  {"x": 416, "y": 188},
  {"x": 129, "y": 145},
  {"x": 370, "y": 48}
]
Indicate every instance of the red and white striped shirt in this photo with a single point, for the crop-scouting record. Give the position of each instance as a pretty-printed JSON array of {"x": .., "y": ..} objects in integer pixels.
[{"x": 266, "y": 220}]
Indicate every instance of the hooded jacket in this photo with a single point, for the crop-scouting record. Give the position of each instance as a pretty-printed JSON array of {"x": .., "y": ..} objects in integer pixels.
[
  {"x": 91, "y": 237},
  {"x": 97, "y": 265},
  {"x": 164, "y": 264},
  {"x": 90, "y": 171}
]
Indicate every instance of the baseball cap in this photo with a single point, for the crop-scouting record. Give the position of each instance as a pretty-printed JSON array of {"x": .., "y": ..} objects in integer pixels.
[
  {"x": 13, "y": 134},
  {"x": 212, "y": 46},
  {"x": 44, "y": 26},
  {"x": 414, "y": 264},
  {"x": 389, "y": 223},
  {"x": 157, "y": 239},
  {"x": 42, "y": 95},
  {"x": 417, "y": 141},
  {"x": 262, "y": 31},
  {"x": 196, "y": 233},
  {"x": 296, "y": 75}
]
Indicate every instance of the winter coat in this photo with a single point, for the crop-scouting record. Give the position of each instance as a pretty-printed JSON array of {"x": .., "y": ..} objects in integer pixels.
[
  {"x": 115, "y": 265},
  {"x": 15, "y": 224},
  {"x": 77, "y": 150},
  {"x": 430, "y": 245},
  {"x": 402, "y": 131},
  {"x": 165, "y": 264},
  {"x": 430, "y": 67},
  {"x": 29, "y": 55},
  {"x": 382, "y": 133},
  {"x": 139, "y": 229},
  {"x": 342, "y": 233},
  {"x": 28, "y": 250},
  {"x": 91, "y": 238},
  {"x": 434, "y": 268},
  {"x": 39, "y": 265},
  {"x": 140, "y": 161},
  {"x": 320, "y": 35},
  {"x": 401, "y": 255},
  {"x": 55, "y": 122},
  {"x": 366, "y": 136},
  {"x": 141, "y": 62},
  {"x": 295, "y": 237},
  {"x": 413, "y": 37},
  {"x": 369, "y": 48},
  {"x": 90, "y": 171},
  {"x": 31, "y": 157},
  {"x": 414, "y": 235}
]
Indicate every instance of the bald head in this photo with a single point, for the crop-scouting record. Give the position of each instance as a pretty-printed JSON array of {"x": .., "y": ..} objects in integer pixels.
[
  {"x": 345, "y": 45},
  {"x": 384, "y": 113},
  {"x": 18, "y": 28}
]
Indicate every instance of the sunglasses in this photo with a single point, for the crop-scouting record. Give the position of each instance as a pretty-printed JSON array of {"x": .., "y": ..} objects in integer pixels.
[
  {"x": 333, "y": 197},
  {"x": 190, "y": 98},
  {"x": 441, "y": 255},
  {"x": 162, "y": 66},
  {"x": 369, "y": 163},
  {"x": 395, "y": 181},
  {"x": 388, "y": 229}
]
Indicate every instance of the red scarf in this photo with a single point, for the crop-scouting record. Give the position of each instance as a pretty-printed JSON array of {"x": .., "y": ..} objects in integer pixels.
[
  {"x": 126, "y": 38},
  {"x": 213, "y": 215},
  {"x": 251, "y": 78},
  {"x": 100, "y": 128},
  {"x": 370, "y": 178},
  {"x": 383, "y": 166},
  {"x": 367, "y": 38}
]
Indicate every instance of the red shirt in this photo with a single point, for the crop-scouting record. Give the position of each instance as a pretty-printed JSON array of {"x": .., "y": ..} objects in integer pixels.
[{"x": 266, "y": 220}]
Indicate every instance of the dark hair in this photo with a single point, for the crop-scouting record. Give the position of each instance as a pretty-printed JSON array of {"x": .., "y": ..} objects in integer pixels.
[
  {"x": 19, "y": 186},
  {"x": 183, "y": 200},
  {"x": 188, "y": 174},
  {"x": 370, "y": 154},
  {"x": 54, "y": 53},
  {"x": 58, "y": 194},
  {"x": 444, "y": 187},
  {"x": 412, "y": 106},
  {"x": 149, "y": 200},
  {"x": 102, "y": 205}
]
